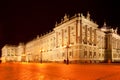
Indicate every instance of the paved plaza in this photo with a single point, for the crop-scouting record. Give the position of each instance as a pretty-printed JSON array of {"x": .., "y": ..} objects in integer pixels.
[{"x": 58, "y": 71}]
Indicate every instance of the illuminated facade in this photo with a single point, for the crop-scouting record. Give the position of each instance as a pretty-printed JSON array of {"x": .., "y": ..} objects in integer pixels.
[
  {"x": 74, "y": 40},
  {"x": 9, "y": 53}
]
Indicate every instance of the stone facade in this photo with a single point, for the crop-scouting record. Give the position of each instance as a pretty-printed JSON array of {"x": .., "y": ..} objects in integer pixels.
[
  {"x": 76, "y": 39},
  {"x": 9, "y": 53}
]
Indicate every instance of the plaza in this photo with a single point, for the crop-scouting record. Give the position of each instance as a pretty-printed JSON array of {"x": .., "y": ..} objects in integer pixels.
[{"x": 55, "y": 71}]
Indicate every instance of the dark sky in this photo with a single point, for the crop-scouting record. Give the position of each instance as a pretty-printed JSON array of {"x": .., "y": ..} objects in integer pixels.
[{"x": 22, "y": 20}]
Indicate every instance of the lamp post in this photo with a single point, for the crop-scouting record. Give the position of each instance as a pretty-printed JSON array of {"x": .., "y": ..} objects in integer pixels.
[{"x": 67, "y": 46}]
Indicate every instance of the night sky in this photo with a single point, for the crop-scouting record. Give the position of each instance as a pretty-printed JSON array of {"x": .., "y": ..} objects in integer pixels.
[{"x": 23, "y": 20}]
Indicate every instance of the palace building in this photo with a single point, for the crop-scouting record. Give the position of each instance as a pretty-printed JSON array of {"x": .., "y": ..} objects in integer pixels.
[{"x": 75, "y": 39}]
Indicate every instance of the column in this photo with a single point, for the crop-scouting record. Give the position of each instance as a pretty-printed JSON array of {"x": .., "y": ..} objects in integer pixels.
[
  {"x": 90, "y": 35},
  {"x": 86, "y": 34},
  {"x": 80, "y": 31},
  {"x": 62, "y": 37},
  {"x": 56, "y": 39},
  {"x": 68, "y": 34},
  {"x": 77, "y": 30},
  {"x": 95, "y": 37}
]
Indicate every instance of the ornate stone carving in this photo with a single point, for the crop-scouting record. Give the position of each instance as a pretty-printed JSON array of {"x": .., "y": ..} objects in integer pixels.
[{"x": 88, "y": 16}]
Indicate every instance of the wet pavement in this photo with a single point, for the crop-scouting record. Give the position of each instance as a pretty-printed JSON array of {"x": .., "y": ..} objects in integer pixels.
[{"x": 58, "y": 71}]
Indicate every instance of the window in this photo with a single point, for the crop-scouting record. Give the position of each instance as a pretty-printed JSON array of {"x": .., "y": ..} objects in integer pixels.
[
  {"x": 63, "y": 54},
  {"x": 65, "y": 30},
  {"x": 115, "y": 55},
  {"x": 102, "y": 55},
  {"x": 85, "y": 53},
  {"x": 88, "y": 29},
  {"x": 119, "y": 55},
  {"x": 99, "y": 54},
  {"x": 94, "y": 54},
  {"x": 70, "y": 54},
  {"x": 90, "y": 55},
  {"x": 72, "y": 28},
  {"x": 59, "y": 33}
]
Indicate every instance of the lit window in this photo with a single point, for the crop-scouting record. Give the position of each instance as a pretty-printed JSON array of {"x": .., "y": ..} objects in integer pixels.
[{"x": 63, "y": 54}]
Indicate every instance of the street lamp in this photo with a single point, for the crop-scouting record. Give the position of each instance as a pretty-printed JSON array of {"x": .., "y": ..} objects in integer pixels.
[
  {"x": 41, "y": 55},
  {"x": 67, "y": 46}
]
